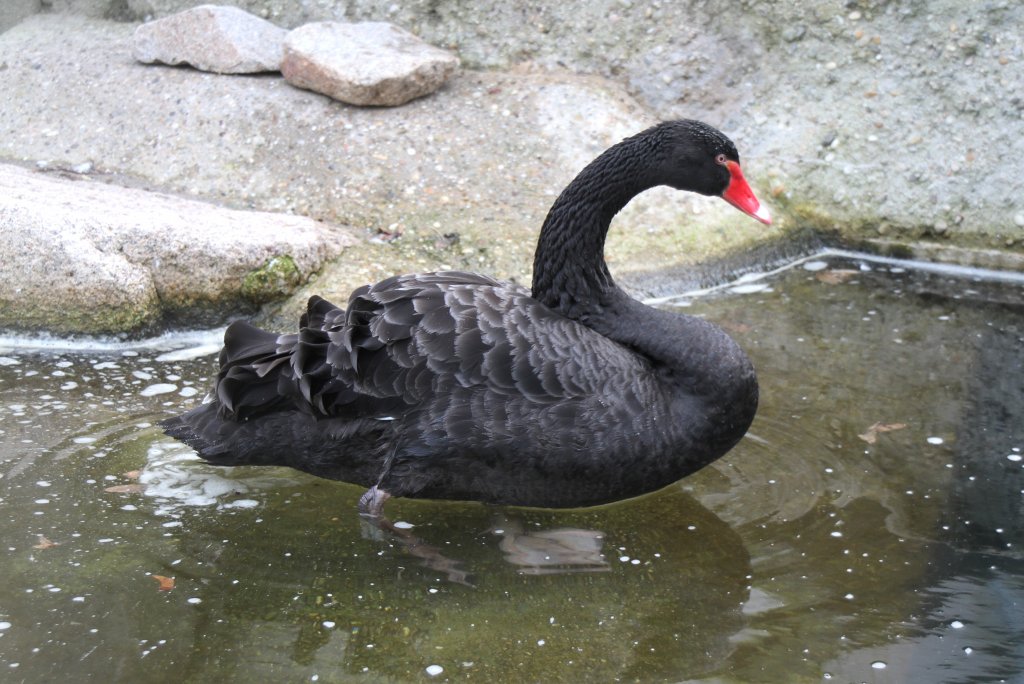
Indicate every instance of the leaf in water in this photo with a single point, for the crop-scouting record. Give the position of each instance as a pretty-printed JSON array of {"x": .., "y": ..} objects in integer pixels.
[
  {"x": 835, "y": 276},
  {"x": 166, "y": 583},
  {"x": 871, "y": 436},
  {"x": 44, "y": 543},
  {"x": 131, "y": 474},
  {"x": 126, "y": 489}
]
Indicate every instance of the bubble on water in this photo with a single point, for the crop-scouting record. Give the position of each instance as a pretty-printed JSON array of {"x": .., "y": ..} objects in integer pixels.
[
  {"x": 433, "y": 670},
  {"x": 402, "y": 525},
  {"x": 158, "y": 388},
  {"x": 188, "y": 391},
  {"x": 194, "y": 601},
  {"x": 956, "y": 624},
  {"x": 968, "y": 650},
  {"x": 70, "y": 385},
  {"x": 5, "y": 625},
  {"x": 815, "y": 265},
  {"x": 1016, "y": 458},
  {"x": 935, "y": 440},
  {"x": 42, "y": 483},
  {"x": 328, "y": 624},
  {"x": 8, "y": 361},
  {"x": 105, "y": 365},
  {"x": 879, "y": 665}
]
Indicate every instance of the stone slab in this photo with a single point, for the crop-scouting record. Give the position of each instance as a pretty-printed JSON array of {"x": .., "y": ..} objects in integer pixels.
[
  {"x": 368, "y": 63},
  {"x": 217, "y": 38}
]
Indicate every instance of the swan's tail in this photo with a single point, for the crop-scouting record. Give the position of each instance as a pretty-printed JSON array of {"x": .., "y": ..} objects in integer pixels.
[{"x": 257, "y": 377}]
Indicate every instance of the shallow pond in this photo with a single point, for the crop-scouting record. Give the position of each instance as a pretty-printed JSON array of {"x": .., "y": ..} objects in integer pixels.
[{"x": 868, "y": 529}]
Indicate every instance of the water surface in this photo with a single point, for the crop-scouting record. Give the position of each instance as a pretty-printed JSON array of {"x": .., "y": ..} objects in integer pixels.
[{"x": 869, "y": 528}]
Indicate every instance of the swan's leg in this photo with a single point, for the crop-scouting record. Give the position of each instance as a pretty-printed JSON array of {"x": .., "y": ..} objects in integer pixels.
[
  {"x": 376, "y": 527},
  {"x": 371, "y": 504}
]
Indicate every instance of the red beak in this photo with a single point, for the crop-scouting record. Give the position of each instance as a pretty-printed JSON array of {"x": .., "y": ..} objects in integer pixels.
[{"x": 739, "y": 195}]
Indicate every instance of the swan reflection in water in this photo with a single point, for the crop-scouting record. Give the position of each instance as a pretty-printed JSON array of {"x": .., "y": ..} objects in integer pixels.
[{"x": 555, "y": 551}]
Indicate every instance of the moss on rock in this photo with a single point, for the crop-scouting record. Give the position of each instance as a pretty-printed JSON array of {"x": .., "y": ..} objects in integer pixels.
[{"x": 276, "y": 278}]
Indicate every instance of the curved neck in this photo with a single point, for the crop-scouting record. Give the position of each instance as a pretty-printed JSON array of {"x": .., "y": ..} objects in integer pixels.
[{"x": 569, "y": 271}]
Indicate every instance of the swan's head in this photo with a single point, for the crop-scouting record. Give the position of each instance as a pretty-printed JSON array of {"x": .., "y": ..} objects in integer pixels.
[{"x": 697, "y": 157}]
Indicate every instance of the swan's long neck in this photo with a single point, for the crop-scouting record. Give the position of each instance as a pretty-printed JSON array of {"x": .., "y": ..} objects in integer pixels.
[
  {"x": 570, "y": 276},
  {"x": 569, "y": 271}
]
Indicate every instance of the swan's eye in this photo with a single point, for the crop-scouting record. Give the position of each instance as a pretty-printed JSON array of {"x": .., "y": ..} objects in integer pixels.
[{"x": 720, "y": 159}]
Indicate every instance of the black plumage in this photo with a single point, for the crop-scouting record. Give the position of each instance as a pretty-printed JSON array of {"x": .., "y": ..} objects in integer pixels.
[{"x": 457, "y": 386}]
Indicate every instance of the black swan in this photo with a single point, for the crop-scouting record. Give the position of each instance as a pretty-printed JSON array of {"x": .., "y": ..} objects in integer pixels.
[{"x": 454, "y": 385}]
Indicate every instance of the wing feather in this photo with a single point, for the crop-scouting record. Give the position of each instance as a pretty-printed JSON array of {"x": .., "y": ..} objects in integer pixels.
[{"x": 464, "y": 342}]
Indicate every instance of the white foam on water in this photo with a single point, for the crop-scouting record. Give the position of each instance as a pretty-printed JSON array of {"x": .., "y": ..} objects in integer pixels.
[
  {"x": 816, "y": 262},
  {"x": 189, "y": 353},
  {"x": 177, "y": 479}
]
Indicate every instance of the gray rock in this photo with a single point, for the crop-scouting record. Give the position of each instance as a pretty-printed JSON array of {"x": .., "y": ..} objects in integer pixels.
[
  {"x": 85, "y": 257},
  {"x": 216, "y": 38},
  {"x": 370, "y": 63}
]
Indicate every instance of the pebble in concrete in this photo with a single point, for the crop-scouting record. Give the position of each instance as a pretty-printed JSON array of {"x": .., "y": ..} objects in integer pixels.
[
  {"x": 370, "y": 63},
  {"x": 216, "y": 38}
]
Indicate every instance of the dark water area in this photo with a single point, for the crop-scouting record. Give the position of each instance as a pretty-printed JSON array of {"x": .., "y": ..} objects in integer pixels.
[{"x": 868, "y": 529}]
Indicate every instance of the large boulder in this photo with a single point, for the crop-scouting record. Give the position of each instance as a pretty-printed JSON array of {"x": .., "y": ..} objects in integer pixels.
[
  {"x": 370, "y": 63},
  {"x": 85, "y": 257},
  {"x": 217, "y": 38}
]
